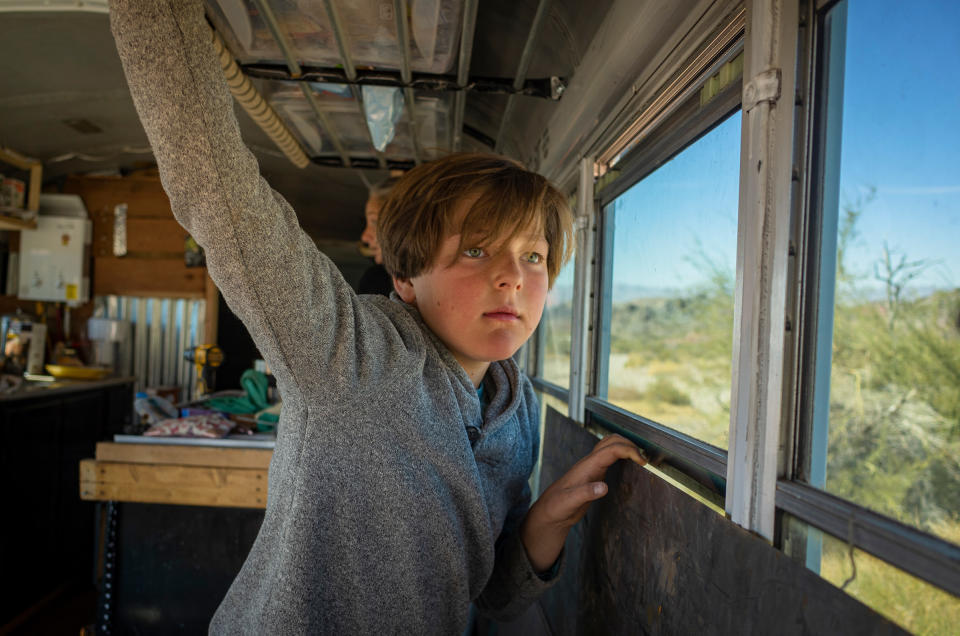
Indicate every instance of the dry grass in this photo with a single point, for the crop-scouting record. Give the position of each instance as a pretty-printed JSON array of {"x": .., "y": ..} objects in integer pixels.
[{"x": 913, "y": 604}]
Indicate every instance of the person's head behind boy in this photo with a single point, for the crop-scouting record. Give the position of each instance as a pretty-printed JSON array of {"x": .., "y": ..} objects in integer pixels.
[
  {"x": 375, "y": 200},
  {"x": 474, "y": 241}
]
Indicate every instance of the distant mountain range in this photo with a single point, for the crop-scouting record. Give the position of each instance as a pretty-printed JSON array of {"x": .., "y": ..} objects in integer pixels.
[
  {"x": 870, "y": 292},
  {"x": 621, "y": 292}
]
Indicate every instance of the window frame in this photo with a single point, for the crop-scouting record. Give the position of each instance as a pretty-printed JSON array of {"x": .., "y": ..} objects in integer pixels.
[
  {"x": 665, "y": 442},
  {"x": 918, "y": 553},
  {"x": 789, "y": 429},
  {"x": 679, "y": 127}
]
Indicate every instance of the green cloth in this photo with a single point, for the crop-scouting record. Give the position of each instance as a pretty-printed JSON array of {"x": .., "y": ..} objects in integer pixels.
[{"x": 255, "y": 384}]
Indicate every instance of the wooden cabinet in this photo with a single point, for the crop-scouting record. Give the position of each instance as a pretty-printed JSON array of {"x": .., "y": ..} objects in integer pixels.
[{"x": 47, "y": 537}]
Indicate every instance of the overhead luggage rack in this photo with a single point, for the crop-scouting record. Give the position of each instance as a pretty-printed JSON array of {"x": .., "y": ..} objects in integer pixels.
[
  {"x": 407, "y": 44},
  {"x": 432, "y": 121},
  {"x": 368, "y": 26}
]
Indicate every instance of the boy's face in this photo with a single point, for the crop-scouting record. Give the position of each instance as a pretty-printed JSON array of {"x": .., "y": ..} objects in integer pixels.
[{"x": 482, "y": 301}]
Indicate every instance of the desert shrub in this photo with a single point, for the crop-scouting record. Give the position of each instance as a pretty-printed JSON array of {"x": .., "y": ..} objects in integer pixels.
[{"x": 662, "y": 390}]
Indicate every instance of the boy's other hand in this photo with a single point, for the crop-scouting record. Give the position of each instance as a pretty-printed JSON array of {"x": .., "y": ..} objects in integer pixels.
[{"x": 563, "y": 504}]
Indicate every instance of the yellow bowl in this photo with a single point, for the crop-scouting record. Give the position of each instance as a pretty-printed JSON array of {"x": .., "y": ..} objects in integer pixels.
[{"x": 77, "y": 373}]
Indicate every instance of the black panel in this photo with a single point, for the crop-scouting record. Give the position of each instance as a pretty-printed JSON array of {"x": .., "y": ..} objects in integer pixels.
[
  {"x": 650, "y": 559},
  {"x": 174, "y": 564},
  {"x": 30, "y": 471},
  {"x": 46, "y": 538},
  {"x": 83, "y": 415}
]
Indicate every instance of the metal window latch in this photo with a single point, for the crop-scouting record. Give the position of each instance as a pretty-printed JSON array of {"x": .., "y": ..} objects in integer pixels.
[{"x": 764, "y": 87}]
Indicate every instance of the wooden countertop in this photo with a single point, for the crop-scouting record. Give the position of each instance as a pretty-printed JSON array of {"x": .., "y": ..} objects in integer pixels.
[
  {"x": 174, "y": 474},
  {"x": 31, "y": 390}
]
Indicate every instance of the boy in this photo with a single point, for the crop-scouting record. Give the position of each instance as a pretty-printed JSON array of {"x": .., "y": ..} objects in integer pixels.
[{"x": 398, "y": 487}]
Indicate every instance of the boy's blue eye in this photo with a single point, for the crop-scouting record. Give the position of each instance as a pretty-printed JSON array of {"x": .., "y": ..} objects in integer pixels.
[
  {"x": 534, "y": 257},
  {"x": 474, "y": 252}
]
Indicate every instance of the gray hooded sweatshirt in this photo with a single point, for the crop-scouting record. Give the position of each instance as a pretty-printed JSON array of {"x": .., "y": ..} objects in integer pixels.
[{"x": 382, "y": 515}]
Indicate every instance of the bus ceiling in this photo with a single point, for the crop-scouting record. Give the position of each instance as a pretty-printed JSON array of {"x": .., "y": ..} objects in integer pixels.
[{"x": 531, "y": 79}]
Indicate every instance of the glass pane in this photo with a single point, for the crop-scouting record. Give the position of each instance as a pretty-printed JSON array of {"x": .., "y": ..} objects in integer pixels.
[
  {"x": 913, "y": 604},
  {"x": 556, "y": 326},
  {"x": 671, "y": 301},
  {"x": 889, "y": 418}
]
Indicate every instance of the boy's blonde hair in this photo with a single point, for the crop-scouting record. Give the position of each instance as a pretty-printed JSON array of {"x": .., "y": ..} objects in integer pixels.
[{"x": 418, "y": 214}]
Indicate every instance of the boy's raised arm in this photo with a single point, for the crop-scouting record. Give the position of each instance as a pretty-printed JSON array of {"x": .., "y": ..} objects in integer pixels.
[{"x": 269, "y": 271}]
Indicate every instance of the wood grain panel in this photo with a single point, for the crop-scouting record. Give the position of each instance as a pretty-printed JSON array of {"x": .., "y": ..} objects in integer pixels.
[
  {"x": 144, "y": 196},
  {"x": 258, "y": 458},
  {"x": 173, "y": 484},
  {"x": 146, "y": 237},
  {"x": 154, "y": 264},
  {"x": 649, "y": 559},
  {"x": 167, "y": 277}
]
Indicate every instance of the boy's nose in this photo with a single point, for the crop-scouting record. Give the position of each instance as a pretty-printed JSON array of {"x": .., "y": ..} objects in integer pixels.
[{"x": 508, "y": 274}]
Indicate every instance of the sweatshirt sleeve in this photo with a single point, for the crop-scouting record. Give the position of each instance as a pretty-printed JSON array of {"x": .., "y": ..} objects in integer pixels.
[
  {"x": 291, "y": 298},
  {"x": 514, "y": 584}
]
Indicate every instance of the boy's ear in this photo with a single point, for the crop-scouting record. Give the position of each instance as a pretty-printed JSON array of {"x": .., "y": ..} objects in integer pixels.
[{"x": 405, "y": 290}]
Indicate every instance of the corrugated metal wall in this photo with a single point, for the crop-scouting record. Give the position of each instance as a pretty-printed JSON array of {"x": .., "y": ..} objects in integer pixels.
[{"x": 161, "y": 330}]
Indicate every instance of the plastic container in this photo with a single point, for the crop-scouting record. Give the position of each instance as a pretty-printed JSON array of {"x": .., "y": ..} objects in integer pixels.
[
  {"x": 152, "y": 409},
  {"x": 370, "y": 26}
]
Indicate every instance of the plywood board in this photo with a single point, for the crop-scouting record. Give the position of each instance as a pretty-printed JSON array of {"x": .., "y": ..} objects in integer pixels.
[
  {"x": 184, "y": 455},
  {"x": 167, "y": 277},
  {"x": 146, "y": 237},
  {"x": 649, "y": 559},
  {"x": 144, "y": 196},
  {"x": 154, "y": 263}
]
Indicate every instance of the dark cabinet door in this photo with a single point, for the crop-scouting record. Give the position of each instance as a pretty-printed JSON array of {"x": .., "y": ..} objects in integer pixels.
[
  {"x": 83, "y": 415},
  {"x": 47, "y": 533},
  {"x": 31, "y": 471}
]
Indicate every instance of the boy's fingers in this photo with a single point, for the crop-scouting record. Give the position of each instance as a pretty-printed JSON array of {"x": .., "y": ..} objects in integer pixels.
[
  {"x": 618, "y": 440},
  {"x": 603, "y": 458},
  {"x": 607, "y": 440},
  {"x": 579, "y": 496},
  {"x": 608, "y": 451}
]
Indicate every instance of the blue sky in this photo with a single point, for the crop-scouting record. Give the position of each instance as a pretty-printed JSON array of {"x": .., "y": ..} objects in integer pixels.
[
  {"x": 901, "y": 137},
  {"x": 686, "y": 207},
  {"x": 901, "y": 133}
]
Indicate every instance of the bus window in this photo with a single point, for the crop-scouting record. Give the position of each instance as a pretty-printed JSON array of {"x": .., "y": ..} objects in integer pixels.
[
  {"x": 556, "y": 329},
  {"x": 669, "y": 306},
  {"x": 886, "y": 408}
]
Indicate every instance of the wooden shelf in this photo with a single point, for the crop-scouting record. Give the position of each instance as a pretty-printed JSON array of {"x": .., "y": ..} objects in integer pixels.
[
  {"x": 11, "y": 222},
  {"x": 35, "y": 169}
]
